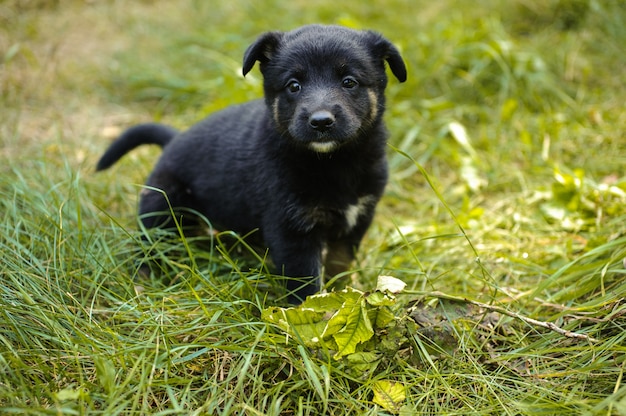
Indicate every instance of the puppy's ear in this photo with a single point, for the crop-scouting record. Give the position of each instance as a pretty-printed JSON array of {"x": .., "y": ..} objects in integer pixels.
[
  {"x": 261, "y": 50},
  {"x": 396, "y": 63},
  {"x": 385, "y": 49}
]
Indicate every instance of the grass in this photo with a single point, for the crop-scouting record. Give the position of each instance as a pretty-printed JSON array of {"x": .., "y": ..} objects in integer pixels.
[{"x": 505, "y": 214}]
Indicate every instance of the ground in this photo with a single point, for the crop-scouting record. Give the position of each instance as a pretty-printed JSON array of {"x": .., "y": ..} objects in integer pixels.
[{"x": 505, "y": 217}]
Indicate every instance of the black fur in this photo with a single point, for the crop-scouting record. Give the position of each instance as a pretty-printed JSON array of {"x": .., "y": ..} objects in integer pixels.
[
  {"x": 306, "y": 167},
  {"x": 149, "y": 133}
]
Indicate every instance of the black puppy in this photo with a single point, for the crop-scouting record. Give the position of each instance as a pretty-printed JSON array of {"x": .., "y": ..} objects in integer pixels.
[{"x": 306, "y": 168}]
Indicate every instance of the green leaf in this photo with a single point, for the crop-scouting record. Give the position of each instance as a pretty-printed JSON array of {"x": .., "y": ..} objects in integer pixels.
[
  {"x": 306, "y": 325},
  {"x": 338, "y": 321},
  {"x": 70, "y": 394},
  {"x": 381, "y": 317},
  {"x": 105, "y": 370},
  {"x": 332, "y": 301},
  {"x": 363, "y": 363},
  {"x": 349, "y": 327},
  {"x": 508, "y": 108},
  {"x": 380, "y": 299}
]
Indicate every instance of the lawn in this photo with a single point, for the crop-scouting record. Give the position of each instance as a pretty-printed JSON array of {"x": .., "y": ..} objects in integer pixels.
[{"x": 505, "y": 216}]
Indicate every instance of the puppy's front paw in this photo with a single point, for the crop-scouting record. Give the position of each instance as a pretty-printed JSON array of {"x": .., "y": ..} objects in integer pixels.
[{"x": 299, "y": 288}]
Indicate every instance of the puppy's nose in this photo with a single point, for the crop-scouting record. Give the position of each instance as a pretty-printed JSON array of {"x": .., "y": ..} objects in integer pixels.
[{"x": 321, "y": 120}]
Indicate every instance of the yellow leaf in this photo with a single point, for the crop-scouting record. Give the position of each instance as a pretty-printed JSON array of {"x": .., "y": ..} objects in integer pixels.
[{"x": 389, "y": 394}]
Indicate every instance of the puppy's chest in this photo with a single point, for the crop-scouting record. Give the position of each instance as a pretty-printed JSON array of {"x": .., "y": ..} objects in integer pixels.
[{"x": 337, "y": 219}]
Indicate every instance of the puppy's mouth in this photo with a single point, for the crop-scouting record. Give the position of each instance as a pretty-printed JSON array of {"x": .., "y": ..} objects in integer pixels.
[
  {"x": 325, "y": 146},
  {"x": 322, "y": 131},
  {"x": 320, "y": 142},
  {"x": 326, "y": 141}
]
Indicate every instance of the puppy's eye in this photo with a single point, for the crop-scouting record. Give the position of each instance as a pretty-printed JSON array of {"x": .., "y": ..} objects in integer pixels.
[
  {"x": 294, "y": 86},
  {"x": 349, "y": 82}
]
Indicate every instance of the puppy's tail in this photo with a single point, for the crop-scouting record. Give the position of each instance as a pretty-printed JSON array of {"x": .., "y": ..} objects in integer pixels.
[{"x": 149, "y": 133}]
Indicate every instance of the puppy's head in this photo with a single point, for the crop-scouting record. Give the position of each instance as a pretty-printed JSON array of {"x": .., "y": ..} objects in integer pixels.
[{"x": 324, "y": 85}]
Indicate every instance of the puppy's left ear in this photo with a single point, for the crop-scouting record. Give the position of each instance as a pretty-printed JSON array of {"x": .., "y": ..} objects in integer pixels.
[
  {"x": 262, "y": 50},
  {"x": 390, "y": 53}
]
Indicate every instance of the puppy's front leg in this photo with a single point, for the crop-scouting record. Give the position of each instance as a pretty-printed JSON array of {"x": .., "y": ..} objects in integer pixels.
[
  {"x": 341, "y": 251},
  {"x": 299, "y": 258},
  {"x": 339, "y": 256}
]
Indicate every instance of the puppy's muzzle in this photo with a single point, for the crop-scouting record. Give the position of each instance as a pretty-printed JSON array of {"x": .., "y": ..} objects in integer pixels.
[{"x": 321, "y": 120}]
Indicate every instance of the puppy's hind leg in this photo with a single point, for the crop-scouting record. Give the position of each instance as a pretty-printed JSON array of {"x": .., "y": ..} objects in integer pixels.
[
  {"x": 159, "y": 206},
  {"x": 162, "y": 195}
]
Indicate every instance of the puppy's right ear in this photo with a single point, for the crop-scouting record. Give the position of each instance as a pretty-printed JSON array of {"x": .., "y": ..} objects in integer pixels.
[{"x": 262, "y": 50}]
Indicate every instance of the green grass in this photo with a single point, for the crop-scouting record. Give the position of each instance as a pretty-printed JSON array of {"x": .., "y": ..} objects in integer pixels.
[{"x": 505, "y": 213}]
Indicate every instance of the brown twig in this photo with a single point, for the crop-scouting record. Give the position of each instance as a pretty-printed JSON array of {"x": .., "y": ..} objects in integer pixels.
[{"x": 503, "y": 311}]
